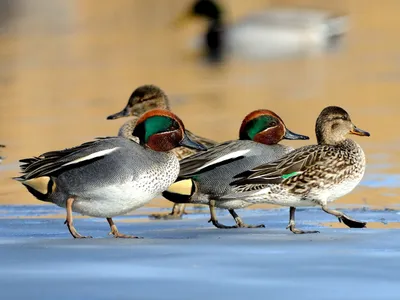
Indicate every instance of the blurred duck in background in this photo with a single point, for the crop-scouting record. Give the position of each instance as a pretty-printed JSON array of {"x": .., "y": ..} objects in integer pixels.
[
  {"x": 268, "y": 34},
  {"x": 143, "y": 99},
  {"x": 1, "y": 157},
  {"x": 205, "y": 177}
]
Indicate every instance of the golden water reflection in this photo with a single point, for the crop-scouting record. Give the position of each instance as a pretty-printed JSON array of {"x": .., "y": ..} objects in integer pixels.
[{"x": 66, "y": 65}]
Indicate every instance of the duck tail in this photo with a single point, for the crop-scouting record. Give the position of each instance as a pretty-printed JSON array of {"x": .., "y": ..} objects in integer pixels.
[
  {"x": 41, "y": 187},
  {"x": 181, "y": 191}
]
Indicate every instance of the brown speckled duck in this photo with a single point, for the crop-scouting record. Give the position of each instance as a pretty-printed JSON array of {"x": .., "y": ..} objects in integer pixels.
[
  {"x": 311, "y": 175},
  {"x": 204, "y": 177}
]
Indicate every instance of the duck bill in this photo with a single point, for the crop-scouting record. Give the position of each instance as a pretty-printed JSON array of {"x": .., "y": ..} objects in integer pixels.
[
  {"x": 121, "y": 114},
  {"x": 289, "y": 135},
  {"x": 187, "y": 142},
  {"x": 358, "y": 131}
]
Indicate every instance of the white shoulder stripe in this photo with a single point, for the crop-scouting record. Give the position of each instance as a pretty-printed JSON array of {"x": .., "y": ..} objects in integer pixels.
[
  {"x": 223, "y": 158},
  {"x": 91, "y": 156}
]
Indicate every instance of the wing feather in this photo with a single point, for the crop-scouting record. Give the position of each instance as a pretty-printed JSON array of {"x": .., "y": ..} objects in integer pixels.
[
  {"x": 54, "y": 161},
  {"x": 296, "y": 161},
  {"x": 218, "y": 155}
]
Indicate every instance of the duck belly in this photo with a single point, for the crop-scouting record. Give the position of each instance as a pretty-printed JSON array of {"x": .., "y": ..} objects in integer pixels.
[
  {"x": 283, "y": 199},
  {"x": 119, "y": 199},
  {"x": 274, "y": 42},
  {"x": 112, "y": 201},
  {"x": 232, "y": 204},
  {"x": 340, "y": 190},
  {"x": 323, "y": 195},
  {"x": 276, "y": 195}
]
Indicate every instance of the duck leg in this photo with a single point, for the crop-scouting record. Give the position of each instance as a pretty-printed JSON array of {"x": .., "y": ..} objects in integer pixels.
[
  {"x": 350, "y": 222},
  {"x": 292, "y": 224},
  {"x": 116, "y": 233},
  {"x": 240, "y": 223},
  {"x": 177, "y": 211},
  {"x": 69, "y": 221},
  {"x": 214, "y": 219}
]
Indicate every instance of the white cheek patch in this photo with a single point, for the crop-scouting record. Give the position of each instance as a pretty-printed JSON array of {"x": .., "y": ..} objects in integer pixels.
[
  {"x": 91, "y": 156},
  {"x": 229, "y": 156}
]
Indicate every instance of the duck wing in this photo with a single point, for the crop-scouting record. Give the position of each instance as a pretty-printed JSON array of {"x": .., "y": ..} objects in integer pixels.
[
  {"x": 296, "y": 167},
  {"x": 50, "y": 162},
  {"x": 214, "y": 157}
]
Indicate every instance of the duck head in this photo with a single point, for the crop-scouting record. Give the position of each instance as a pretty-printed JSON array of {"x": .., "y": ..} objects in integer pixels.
[
  {"x": 266, "y": 127},
  {"x": 144, "y": 98},
  {"x": 161, "y": 130},
  {"x": 207, "y": 9},
  {"x": 333, "y": 124},
  {"x": 214, "y": 37}
]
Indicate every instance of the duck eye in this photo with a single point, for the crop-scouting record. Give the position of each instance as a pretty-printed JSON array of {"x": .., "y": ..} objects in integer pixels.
[{"x": 272, "y": 124}]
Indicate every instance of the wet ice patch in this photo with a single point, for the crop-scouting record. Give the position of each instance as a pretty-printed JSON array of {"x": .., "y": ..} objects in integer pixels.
[{"x": 381, "y": 180}]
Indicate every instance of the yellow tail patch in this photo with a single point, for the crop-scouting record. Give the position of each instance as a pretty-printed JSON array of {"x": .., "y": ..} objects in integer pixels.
[
  {"x": 40, "y": 184},
  {"x": 182, "y": 187}
]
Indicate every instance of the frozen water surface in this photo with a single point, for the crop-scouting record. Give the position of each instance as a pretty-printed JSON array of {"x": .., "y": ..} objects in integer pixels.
[{"x": 189, "y": 259}]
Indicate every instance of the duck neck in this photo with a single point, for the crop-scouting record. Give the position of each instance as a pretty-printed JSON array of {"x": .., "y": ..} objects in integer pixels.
[
  {"x": 348, "y": 144},
  {"x": 127, "y": 128},
  {"x": 328, "y": 140},
  {"x": 215, "y": 40},
  {"x": 215, "y": 25},
  {"x": 166, "y": 102}
]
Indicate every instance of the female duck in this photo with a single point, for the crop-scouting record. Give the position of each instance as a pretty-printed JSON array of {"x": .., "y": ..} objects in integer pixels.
[
  {"x": 143, "y": 99},
  {"x": 110, "y": 176},
  {"x": 311, "y": 175},
  {"x": 273, "y": 33},
  {"x": 205, "y": 177}
]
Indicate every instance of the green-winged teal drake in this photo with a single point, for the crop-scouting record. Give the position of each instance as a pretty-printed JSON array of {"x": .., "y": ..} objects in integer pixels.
[
  {"x": 110, "y": 176},
  {"x": 205, "y": 177},
  {"x": 142, "y": 99}
]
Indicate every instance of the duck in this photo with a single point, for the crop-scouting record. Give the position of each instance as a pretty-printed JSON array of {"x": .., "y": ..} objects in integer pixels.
[
  {"x": 205, "y": 177},
  {"x": 143, "y": 99},
  {"x": 1, "y": 157},
  {"x": 267, "y": 34},
  {"x": 313, "y": 175},
  {"x": 110, "y": 176}
]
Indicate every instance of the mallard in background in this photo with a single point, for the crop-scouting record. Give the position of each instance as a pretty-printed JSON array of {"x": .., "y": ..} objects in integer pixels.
[
  {"x": 311, "y": 175},
  {"x": 110, "y": 176},
  {"x": 143, "y": 99},
  {"x": 271, "y": 33},
  {"x": 1, "y": 157},
  {"x": 205, "y": 177}
]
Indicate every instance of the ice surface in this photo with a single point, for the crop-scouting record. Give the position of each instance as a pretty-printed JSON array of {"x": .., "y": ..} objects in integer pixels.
[{"x": 189, "y": 259}]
